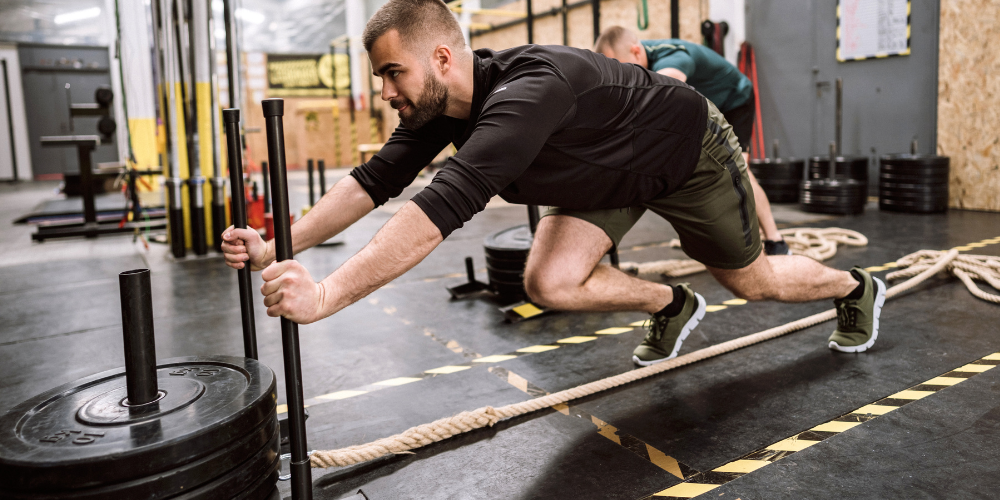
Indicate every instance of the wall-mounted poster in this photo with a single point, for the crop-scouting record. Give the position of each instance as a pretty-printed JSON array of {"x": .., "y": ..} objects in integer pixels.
[
  {"x": 298, "y": 75},
  {"x": 868, "y": 29}
]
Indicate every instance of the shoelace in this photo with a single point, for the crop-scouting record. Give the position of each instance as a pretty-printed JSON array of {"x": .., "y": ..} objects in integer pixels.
[
  {"x": 847, "y": 315},
  {"x": 657, "y": 325}
]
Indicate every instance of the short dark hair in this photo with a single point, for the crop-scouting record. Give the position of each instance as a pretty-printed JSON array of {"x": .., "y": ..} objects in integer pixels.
[
  {"x": 614, "y": 38},
  {"x": 416, "y": 21}
]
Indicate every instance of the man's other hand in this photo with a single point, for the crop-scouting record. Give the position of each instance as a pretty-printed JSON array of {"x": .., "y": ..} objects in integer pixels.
[
  {"x": 290, "y": 292},
  {"x": 242, "y": 245}
]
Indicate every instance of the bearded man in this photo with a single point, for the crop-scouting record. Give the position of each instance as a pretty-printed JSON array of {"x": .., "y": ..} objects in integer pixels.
[{"x": 568, "y": 128}]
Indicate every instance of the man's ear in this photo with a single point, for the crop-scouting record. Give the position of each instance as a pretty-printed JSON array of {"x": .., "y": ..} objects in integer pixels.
[
  {"x": 636, "y": 49},
  {"x": 443, "y": 58}
]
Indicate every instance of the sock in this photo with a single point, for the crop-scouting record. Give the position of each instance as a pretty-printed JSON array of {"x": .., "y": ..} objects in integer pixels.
[
  {"x": 674, "y": 307},
  {"x": 858, "y": 290}
]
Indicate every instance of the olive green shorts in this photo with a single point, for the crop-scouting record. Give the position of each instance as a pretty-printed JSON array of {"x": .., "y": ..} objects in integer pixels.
[{"x": 713, "y": 212}]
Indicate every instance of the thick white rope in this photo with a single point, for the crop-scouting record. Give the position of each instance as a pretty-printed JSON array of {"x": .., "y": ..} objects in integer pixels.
[
  {"x": 816, "y": 243},
  {"x": 922, "y": 265}
]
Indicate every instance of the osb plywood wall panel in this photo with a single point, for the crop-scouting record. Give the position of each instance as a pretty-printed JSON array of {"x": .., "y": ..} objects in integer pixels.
[
  {"x": 548, "y": 30},
  {"x": 969, "y": 101}
]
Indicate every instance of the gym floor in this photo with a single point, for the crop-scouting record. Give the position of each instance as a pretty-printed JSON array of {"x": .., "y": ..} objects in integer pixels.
[{"x": 788, "y": 418}]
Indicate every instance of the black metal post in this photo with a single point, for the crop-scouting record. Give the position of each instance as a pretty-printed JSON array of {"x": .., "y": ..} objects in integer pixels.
[
  {"x": 300, "y": 468},
  {"x": 565, "y": 23},
  {"x": 312, "y": 190},
  {"x": 840, "y": 115},
  {"x": 530, "y": 19},
  {"x": 231, "y": 53},
  {"x": 137, "y": 327},
  {"x": 218, "y": 180},
  {"x": 83, "y": 152},
  {"x": 231, "y": 117},
  {"x": 675, "y": 19},
  {"x": 595, "y": 6},
  {"x": 321, "y": 165},
  {"x": 533, "y": 218},
  {"x": 267, "y": 187},
  {"x": 10, "y": 119}
]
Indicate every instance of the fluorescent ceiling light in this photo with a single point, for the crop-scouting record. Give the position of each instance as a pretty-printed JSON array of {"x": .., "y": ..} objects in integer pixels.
[
  {"x": 79, "y": 15},
  {"x": 250, "y": 16}
]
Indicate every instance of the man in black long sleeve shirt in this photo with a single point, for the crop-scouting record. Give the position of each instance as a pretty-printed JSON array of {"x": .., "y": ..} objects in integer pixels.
[{"x": 600, "y": 140}]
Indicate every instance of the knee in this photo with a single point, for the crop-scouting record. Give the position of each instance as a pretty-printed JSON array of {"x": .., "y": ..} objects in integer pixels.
[
  {"x": 546, "y": 290},
  {"x": 752, "y": 292}
]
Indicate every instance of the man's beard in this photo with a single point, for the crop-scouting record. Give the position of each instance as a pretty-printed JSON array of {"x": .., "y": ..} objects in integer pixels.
[{"x": 434, "y": 100}]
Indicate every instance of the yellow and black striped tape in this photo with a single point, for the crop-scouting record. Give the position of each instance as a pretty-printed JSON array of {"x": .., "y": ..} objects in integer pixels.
[{"x": 709, "y": 480}]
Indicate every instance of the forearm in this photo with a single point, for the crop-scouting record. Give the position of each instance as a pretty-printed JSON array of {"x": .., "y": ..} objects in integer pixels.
[
  {"x": 336, "y": 210},
  {"x": 405, "y": 240},
  {"x": 673, "y": 73}
]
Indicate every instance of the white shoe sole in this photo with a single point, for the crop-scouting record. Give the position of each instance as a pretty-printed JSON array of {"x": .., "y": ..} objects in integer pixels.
[
  {"x": 696, "y": 318},
  {"x": 879, "y": 301}
]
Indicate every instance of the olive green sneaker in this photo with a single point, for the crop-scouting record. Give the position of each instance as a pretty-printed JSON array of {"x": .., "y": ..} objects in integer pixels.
[
  {"x": 666, "y": 334},
  {"x": 857, "y": 320}
]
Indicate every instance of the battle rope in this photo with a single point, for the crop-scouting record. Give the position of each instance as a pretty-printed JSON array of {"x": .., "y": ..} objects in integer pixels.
[
  {"x": 922, "y": 265},
  {"x": 816, "y": 243}
]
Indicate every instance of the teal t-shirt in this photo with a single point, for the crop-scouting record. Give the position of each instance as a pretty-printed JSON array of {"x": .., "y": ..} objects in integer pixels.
[{"x": 707, "y": 71}]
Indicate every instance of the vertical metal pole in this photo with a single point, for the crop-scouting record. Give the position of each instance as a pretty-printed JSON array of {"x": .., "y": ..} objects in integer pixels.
[
  {"x": 267, "y": 188},
  {"x": 232, "y": 54},
  {"x": 176, "y": 211},
  {"x": 675, "y": 19},
  {"x": 840, "y": 114},
  {"x": 83, "y": 152},
  {"x": 300, "y": 468},
  {"x": 218, "y": 181},
  {"x": 312, "y": 190},
  {"x": 195, "y": 181},
  {"x": 533, "y": 217},
  {"x": 321, "y": 165},
  {"x": 137, "y": 328},
  {"x": 565, "y": 23},
  {"x": 10, "y": 119},
  {"x": 235, "y": 156},
  {"x": 530, "y": 20},
  {"x": 595, "y": 7}
]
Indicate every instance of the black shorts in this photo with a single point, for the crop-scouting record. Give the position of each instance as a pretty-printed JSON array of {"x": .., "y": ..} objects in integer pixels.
[{"x": 741, "y": 118}]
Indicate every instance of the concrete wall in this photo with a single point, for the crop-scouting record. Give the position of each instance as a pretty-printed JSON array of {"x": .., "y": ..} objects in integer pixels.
[{"x": 21, "y": 144}]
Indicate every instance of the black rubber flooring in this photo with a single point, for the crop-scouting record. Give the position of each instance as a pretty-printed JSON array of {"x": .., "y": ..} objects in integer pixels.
[{"x": 61, "y": 321}]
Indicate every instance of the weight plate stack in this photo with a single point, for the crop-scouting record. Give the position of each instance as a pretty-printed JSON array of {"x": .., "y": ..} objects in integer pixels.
[
  {"x": 848, "y": 167},
  {"x": 212, "y": 433},
  {"x": 913, "y": 183},
  {"x": 779, "y": 178},
  {"x": 506, "y": 254},
  {"x": 834, "y": 196}
]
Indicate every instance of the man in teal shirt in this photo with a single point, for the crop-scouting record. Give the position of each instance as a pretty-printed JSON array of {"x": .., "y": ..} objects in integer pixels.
[{"x": 717, "y": 80}]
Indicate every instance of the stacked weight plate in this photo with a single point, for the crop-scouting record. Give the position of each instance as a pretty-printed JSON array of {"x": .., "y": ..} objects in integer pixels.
[
  {"x": 780, "y": 178},
  {"x": 843, "y": 193},
  {"x": 913, "y": 183},
  {"x": 506, "y": 255},
  {"x": 212, "y": 433}
]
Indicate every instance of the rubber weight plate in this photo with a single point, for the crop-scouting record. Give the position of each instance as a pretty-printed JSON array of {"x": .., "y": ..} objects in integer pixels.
[
  {"x": 913, "y": 178},
  {"x": 81, "y": 435},
  {"x": 912, "y": 206},
  {"x": 939, "y": 186},
  {"x": 833, "y": 196},
  {"x": 848, "y": 167},
  {"x": 918, "y": 161},
  {"x": 512, "y": 243},
  {"x": 790, "y": 169},
  {"x": 252, "y": 480},
  {"x": 171, "y": 482},
  {"x": 505, "y": 264},
  {"x": 505, "y": 275}
]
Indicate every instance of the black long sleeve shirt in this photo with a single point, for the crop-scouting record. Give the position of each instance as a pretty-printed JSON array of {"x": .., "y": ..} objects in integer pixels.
[{"x": 549, "y": 125}]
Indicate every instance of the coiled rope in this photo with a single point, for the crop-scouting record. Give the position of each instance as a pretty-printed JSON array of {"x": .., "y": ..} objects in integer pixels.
[
  {"x": 919, "y": 267},
  {"x": 816, "y": 243}
]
